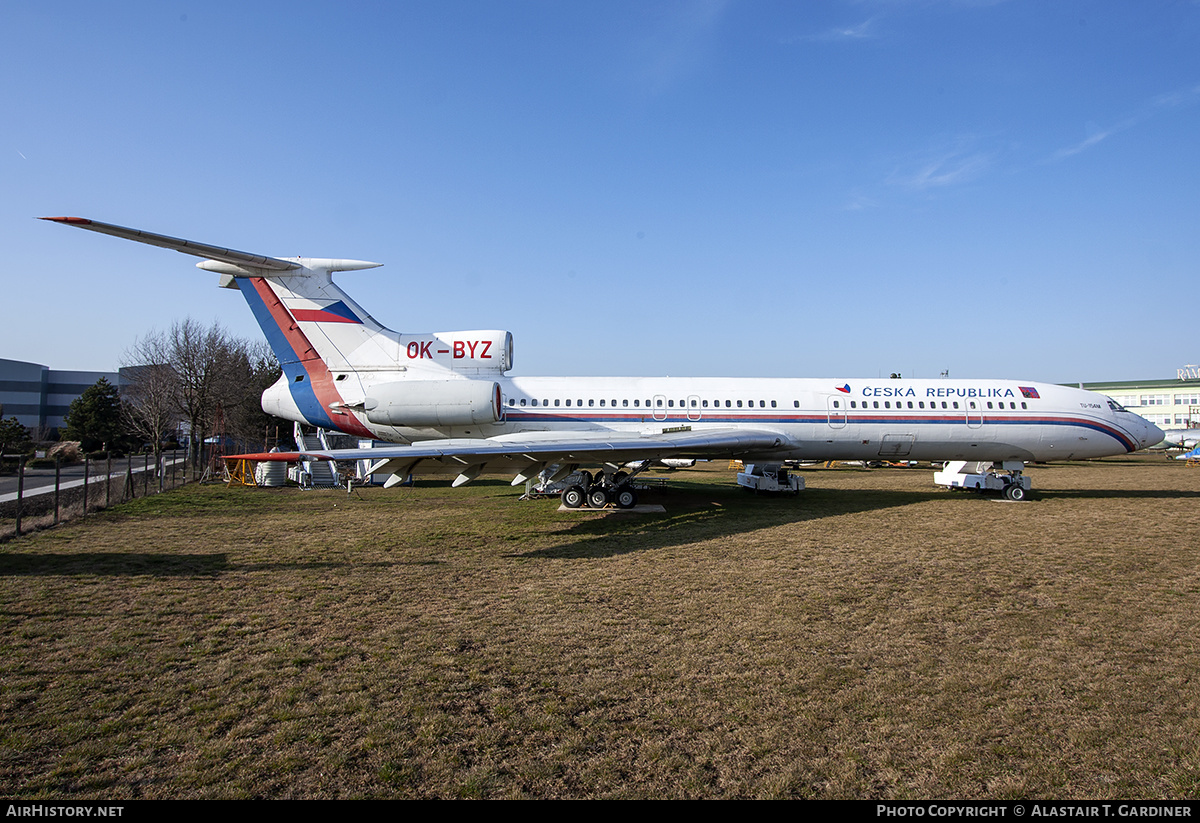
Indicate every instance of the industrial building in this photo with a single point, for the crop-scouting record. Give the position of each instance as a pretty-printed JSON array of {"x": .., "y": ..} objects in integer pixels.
[{"x": 40, "y": 397}]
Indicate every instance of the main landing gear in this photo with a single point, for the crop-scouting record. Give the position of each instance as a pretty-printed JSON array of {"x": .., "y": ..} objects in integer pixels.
[{"x": 601, "y": 491}]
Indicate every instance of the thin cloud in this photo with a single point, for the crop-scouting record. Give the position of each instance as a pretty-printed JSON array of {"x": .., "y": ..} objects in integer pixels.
[
  {"x": 1169, "y": 100},
  {"x": 863, "y": 31},
  {"x": 857, "y": 201},
  {"x": 948, "y": 168}
]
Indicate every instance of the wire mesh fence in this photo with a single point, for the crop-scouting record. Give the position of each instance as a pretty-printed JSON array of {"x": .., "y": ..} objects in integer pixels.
[{"x": 35, "y": 495}]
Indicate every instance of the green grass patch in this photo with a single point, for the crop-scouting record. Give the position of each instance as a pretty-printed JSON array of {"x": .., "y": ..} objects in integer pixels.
[{"x": 874, "y": 637}]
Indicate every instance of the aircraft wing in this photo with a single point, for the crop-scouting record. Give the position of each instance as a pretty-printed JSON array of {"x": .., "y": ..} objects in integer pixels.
[{"x": 529, "y": 453}]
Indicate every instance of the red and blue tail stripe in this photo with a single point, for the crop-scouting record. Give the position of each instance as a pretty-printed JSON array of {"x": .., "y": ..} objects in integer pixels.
[{"x": 311, "y": 385}]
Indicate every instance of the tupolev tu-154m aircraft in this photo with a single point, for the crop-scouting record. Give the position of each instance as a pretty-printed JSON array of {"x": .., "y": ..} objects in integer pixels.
[{"x": 448, "y": 402}]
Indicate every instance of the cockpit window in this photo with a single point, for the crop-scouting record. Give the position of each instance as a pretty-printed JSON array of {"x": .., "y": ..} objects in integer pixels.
[{"x": 1115, "y": 406}]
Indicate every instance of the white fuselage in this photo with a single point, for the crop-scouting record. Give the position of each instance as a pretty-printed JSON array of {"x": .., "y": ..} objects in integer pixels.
[{"x": 818, "y": 419}]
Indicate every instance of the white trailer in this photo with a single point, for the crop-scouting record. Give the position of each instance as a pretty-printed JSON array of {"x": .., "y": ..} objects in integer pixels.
[
  {"x": 1009, "y": 480},
  {"x": 769, "y": 477}
]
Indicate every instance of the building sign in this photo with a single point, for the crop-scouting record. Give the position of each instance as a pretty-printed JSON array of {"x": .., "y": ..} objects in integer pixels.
[{"x": 1188, "y": 372}]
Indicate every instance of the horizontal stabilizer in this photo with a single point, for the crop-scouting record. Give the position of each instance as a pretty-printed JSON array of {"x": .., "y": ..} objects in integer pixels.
[{"x": 237, "y": 258}]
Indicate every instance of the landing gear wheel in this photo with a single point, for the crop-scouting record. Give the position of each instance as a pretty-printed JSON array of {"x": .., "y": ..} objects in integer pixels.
[
  {"x": 619, "y": 478},
  {"x": 597, "y": 497},
  {"x": 586, "y": 480},
  {"x": 573, "y": 497},
  {"x": 1015, "y": 492},
  {"x": 625, "y": 498}
]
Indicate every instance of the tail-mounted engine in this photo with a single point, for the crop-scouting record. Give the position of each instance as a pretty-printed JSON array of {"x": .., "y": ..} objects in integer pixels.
[{"x": 434, "y": 403}]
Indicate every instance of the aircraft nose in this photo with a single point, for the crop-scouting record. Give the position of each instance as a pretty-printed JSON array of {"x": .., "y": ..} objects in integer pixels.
[{"x": 1152, "y": 435}]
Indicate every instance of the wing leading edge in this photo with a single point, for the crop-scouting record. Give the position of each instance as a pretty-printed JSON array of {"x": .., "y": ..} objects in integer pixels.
[{"x": 528, "y": 454}]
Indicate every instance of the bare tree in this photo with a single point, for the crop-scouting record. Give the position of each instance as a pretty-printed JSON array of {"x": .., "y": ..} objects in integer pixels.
[
  {"x": 150, "y": 390},
  {"x": 199, "y": 374}
]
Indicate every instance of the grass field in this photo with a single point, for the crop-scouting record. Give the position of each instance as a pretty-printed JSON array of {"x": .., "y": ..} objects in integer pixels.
[{"x": 874, "y": 637}]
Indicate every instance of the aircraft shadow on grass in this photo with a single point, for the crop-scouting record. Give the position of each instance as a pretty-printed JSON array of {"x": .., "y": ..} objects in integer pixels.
[
  {"x": 113, "y": 564},
  {"x": 1119, "y": 494},
  {"x": 716, "y": 515},
  {"x": 127, "y": 564}
]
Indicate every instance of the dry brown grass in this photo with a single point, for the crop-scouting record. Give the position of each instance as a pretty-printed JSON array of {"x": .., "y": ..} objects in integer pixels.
[{"x": 875, "y": 637}]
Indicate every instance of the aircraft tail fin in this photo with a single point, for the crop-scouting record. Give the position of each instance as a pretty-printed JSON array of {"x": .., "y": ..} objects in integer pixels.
[
  {"x": 304, "y": 315},
  {"x": 326, "y": 343}
]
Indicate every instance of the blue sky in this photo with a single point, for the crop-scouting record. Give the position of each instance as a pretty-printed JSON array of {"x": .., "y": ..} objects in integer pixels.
[{"x": 996, "y": 189}]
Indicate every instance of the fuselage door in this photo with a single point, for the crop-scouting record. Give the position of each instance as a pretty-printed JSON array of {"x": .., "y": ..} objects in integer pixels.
[
  {"x": 660, "y": 407},
  {"x": 836, "y": 407},
  {"x": 693, "y": 407},
  {"x": 974, "y": 414}
]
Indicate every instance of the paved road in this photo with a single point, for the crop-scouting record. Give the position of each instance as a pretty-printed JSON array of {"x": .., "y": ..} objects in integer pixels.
[{"x": 41, "y": 481}]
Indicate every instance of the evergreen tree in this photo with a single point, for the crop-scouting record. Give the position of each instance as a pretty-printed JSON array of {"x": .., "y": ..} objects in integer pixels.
[
  {"x": 14, "y": 438},
  {"x": 94, "y": 418}
]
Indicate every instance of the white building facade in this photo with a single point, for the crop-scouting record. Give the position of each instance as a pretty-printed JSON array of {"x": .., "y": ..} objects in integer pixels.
[{"x": 1166, "y": 403}]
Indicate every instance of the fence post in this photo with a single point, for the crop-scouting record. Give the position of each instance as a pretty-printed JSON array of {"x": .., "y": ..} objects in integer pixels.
[
  {"x": 107, "y": 479},
  {"x": 145, "y": 474},
  {"x": 87, "y": 465},
  {"x": 57, "y": 484},
  {"x": 20, "y": 489}
]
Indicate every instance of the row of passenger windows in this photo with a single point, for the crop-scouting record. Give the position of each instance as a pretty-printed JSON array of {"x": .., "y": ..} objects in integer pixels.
[{"x": 695, "y": 403}]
